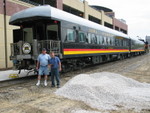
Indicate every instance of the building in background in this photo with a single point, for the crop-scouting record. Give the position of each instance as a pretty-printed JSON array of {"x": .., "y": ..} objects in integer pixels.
[
  {"x": 100, "y": 15},
  {"x": 117, "y": 24}
]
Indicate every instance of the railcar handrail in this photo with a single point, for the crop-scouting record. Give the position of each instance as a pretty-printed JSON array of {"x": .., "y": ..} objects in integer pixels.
[
  {"x": 16, "y": 48},
  {"x": 36, "y": 47},
  {"x": 50, "y": 45}
]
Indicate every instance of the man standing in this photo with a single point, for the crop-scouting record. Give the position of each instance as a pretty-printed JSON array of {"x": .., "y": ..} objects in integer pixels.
[
  {"x": 42, "y": 65},
  {"x": 55, "y": 68}
]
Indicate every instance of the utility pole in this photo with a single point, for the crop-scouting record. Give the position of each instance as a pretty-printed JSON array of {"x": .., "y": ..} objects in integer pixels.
[{"x": 5, "y": 32}]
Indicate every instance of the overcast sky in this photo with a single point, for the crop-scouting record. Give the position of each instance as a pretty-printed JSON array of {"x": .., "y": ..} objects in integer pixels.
[{"x": 135, "y": 12}]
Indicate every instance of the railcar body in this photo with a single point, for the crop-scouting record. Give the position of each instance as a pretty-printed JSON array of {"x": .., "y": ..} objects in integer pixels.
[
  {"x": 136, "y": 47},
  {"x": 77, "y": 41}
]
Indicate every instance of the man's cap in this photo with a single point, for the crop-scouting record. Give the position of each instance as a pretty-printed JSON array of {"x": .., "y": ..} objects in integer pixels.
[{"x": 43, "y": 49}]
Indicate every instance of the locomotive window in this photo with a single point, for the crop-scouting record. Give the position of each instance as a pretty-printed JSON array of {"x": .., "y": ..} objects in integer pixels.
[
  {"x": 81, "y": 36},
  {"x": 71, "y": 34}
]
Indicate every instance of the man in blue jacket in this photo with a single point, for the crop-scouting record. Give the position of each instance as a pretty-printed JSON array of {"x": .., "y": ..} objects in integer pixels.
[{"x": 55, "y": 68}]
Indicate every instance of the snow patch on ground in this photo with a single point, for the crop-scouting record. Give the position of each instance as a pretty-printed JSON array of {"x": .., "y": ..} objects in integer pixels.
[
  {"x": 107, "y": 91},
  {"x": 12, "y": 74}
]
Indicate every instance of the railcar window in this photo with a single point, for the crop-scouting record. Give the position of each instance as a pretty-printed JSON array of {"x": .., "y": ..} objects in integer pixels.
[
  {"x": 71, "y": 34},
  {"x": 86, "y": 38},
  {"x": 124, "y": 42},
  {"x": 121, "y": 42},
  {"x": 116, "y": 42},
  {"x": 81, "y": 36},
  {"x": 28, "y": 34},
  {"x": 93, "y": 39},
  {"x": 103, "y": 41},
  {"x": 52, "y": 31},
  {"x": 128, "y": 42},
  {"x": 98, "y": 39},
  {"x": 109, "y": 41},
  {"x": 112, "y": 41},
  {"x": 106, "y": 40},
  {"x": 89, "y": 38}
]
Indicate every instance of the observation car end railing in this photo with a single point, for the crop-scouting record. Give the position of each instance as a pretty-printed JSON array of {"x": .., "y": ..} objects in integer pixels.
[{"x": 36, "y": 48}]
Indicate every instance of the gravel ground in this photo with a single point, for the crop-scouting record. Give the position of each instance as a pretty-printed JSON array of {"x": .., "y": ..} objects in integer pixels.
[{"x": 22, "y": 96}]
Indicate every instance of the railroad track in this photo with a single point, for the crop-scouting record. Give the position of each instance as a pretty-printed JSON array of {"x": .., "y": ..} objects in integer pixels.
[
  {"x": 17, "y": 81},
  {"x": 107, "y": 66},
  {"x": 23, "y": 80}
]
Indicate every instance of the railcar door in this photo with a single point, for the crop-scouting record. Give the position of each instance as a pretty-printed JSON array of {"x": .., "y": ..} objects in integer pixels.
[
  {"x": 17, "y": 35},
  {"x": 25, "y": 34},
  {"x": 47, "y": 33},
  {"x": 39, "y": 30}
]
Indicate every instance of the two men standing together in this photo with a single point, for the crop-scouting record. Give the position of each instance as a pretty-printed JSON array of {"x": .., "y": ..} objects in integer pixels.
[{"x": 45, "y": 60}]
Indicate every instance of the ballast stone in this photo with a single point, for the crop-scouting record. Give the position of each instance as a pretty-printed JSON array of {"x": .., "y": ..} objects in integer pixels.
[{"x": 107, "y": 91}]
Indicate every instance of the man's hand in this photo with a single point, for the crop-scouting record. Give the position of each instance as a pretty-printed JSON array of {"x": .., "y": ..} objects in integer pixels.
[
  {"x": 37, "y": 68},
  {"x": 60, "y": 69}
]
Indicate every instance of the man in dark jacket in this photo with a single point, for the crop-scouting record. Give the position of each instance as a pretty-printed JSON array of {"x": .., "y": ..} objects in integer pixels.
[{"x": 55, "y": 68}]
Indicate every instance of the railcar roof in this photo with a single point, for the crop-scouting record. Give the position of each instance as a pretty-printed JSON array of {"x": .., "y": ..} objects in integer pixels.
[{"x": 51, "y": 12}]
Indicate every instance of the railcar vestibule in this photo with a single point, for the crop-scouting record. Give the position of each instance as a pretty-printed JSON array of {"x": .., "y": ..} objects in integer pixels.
[{"x": 40, "y": 30}]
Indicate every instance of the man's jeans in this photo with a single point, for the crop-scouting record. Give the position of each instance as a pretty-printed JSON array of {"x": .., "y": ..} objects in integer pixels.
[{"x": 55, "y": 75}]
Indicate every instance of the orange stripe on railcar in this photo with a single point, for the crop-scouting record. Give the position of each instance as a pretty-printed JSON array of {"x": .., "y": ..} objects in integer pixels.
[{"x": 92, "y": 51}]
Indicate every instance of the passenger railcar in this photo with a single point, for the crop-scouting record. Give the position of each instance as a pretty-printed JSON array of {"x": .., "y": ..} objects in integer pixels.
[
  {"x": 77, "y": 41},
  {"x": 136, "y": 47}
]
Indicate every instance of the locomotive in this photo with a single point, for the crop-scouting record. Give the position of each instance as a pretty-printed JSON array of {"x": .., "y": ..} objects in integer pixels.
[{"x": 78, "y": 42}]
